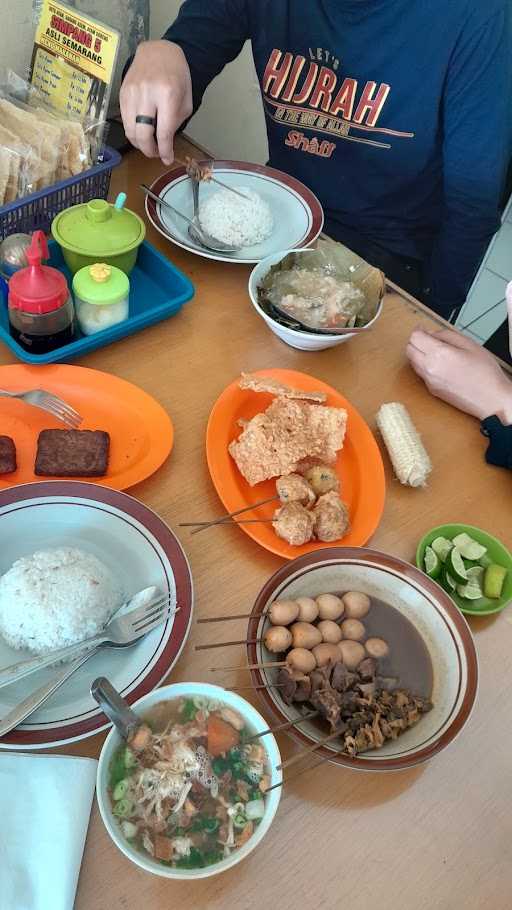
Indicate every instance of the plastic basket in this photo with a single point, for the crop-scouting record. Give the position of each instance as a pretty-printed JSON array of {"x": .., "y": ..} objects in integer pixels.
[{"x": 37, "y": 211}]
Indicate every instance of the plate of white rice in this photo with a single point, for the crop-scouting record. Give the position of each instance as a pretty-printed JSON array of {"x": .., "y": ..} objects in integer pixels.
[
  {"x": 277, "y": 213},
  {"x": 72, "y": 554}
]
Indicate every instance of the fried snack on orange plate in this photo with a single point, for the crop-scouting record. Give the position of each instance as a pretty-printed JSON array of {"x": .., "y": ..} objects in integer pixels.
[
  {"x": 273, "y": 387},
  {"x": 331, "y": 517},
  {"x": 275, "y": 441},
  {"x": 294, "y": 523}
]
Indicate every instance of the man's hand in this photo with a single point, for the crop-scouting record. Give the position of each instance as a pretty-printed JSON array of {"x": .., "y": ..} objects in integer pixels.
[
  {"x": 461, "y": 372},
  {"x": 158, "y": 85}
]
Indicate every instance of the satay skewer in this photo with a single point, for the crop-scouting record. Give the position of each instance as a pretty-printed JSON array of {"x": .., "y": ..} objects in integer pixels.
[
  {"x": 259, "y": 686},
  {"x": 265, "y": 666},
  {"x": 190, "y": 165},
  {"x": 300, "y": 755},
  {"x": 224, "y": 618},
  {"x": 284, "y": 726},
  {"x": 226, "y": 644},
  {"x": 298, "y": 774},
  {"x": 226, "y": 518}
]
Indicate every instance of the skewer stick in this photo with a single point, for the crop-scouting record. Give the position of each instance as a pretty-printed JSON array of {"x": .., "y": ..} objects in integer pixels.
[
  {"x": 211, "y": 179},
  {"x": 259, "y": 686},
  {"x": 267, "y": 666},
  {"x": 300, "y": 755},
  {"x": 223, "y": 618},
  {"x": 226, "y": 644},
  {"x": 284, "y": 726},
  {"x": 226, "y": 518},
  {"x": 298, "y": 774}
]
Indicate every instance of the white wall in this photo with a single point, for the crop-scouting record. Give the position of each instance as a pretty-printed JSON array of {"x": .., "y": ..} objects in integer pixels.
[{"x": 230, "y": 122}]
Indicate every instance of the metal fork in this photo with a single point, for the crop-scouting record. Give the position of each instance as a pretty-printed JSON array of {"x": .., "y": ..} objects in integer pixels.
[
  {"x": 120, "y": 632},
  {"x": 33, "y": 701},
  {"x": 50, "y": 403}
]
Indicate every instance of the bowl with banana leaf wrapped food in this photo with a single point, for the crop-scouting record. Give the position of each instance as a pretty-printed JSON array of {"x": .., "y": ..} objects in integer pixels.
[{"x": 317, "y": 298}]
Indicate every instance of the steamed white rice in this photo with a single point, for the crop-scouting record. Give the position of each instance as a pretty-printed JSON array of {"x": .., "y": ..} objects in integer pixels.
[
  {"x": 55, "y": 598},
  {"x": 236, "y": 221}
]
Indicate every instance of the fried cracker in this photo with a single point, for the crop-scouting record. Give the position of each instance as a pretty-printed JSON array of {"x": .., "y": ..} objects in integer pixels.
[
  {"x": 276, "y": 440},
  {"x": 273, "y": 387}
]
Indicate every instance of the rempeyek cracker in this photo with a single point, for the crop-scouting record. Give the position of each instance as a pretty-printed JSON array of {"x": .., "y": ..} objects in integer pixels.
[
  {"x": 273, "y": 387},
  {"x": 277, "y": 440}
]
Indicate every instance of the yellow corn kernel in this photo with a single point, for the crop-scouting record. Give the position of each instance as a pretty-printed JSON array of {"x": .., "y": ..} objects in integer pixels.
[{"x": 406, "y": 450}]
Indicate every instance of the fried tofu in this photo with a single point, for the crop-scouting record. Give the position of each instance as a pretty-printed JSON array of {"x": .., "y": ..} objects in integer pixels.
[{"x": 275, "y": 441}]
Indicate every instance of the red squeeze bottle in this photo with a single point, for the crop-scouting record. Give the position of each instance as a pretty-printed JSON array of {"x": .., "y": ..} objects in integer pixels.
[{"x": 41, "y": 312}]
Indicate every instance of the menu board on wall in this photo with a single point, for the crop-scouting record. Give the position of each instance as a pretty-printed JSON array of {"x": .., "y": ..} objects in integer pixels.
[{"x": 73, "y": 62}]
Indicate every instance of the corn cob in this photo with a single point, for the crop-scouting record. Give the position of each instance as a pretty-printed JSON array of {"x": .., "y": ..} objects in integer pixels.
[{"x": 406, "y": 450}]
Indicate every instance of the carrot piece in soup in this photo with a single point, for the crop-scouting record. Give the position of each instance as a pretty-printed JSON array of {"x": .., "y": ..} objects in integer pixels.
[{"x": 221, "y": 736}]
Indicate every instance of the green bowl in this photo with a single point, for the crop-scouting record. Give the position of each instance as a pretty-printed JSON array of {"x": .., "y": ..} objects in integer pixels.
[{"x": 496, "y": 551}]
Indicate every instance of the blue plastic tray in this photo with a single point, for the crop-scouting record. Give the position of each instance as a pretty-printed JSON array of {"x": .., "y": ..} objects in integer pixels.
[{"x": 157, "y": 290}]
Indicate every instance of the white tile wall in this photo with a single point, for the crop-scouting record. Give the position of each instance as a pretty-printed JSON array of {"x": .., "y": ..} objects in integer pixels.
[{"x": 485, "y": 308}]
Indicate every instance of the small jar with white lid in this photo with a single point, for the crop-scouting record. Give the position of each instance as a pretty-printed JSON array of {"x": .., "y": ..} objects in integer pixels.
[{"x": 101, "y": 297}]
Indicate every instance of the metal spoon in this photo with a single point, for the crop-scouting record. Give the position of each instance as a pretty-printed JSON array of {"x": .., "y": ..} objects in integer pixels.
[
  {"x": 115, "y": 707},
  {"x": 197, "y": 233}
]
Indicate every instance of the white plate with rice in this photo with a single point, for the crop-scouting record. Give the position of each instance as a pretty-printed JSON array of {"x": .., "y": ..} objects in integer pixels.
[
  {"x": 137, "y": 550},
  {"x": 279, "y": 214}
]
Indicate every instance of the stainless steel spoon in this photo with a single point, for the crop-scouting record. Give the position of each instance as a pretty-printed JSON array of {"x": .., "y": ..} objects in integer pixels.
[
  {"x": 115, "y": 707},
  {"x": 196, "y": 232}
]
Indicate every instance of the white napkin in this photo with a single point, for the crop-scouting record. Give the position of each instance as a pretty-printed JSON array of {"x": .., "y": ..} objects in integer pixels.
[{"x": 45, "y": 804}]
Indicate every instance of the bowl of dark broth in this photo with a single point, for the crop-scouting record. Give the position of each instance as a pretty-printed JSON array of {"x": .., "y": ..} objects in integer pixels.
[
  {"x": 187, "y": 797},
  {"x": 399, "y": 677}
]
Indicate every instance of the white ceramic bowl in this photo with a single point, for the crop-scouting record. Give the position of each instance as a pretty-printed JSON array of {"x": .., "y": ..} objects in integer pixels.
[
  {"x": 444, "y": 630},
  {"x": 113, "y": 740},
  {"x": 301, "y": 340}
]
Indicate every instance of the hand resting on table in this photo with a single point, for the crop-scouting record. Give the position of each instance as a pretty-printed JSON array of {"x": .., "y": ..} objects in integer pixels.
[{"x": 461, "y": 372}]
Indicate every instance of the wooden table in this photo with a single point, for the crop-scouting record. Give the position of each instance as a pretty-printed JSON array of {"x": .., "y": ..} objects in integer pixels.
[{"x": 438, "y": 836}]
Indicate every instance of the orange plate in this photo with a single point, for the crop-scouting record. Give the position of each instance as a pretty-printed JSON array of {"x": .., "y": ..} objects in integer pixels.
[
  {"x": 141, "y": 432},
  {"x": 359, "y": 465}
]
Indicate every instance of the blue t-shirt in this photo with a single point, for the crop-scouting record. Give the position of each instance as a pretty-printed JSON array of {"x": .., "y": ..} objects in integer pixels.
[{"x": 396, "y": 113}]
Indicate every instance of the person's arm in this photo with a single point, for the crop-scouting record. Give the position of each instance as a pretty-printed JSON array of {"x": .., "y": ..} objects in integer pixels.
[
  {"x": 166, "y": 79},
  {"x": 477, "y": 146}
]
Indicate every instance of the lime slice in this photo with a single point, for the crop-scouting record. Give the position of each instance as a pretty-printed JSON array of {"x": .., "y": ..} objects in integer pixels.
[
  {"x": 485, "y": 561},
  {"x": 469, "y": 548},
  {"x": 455, "y": 566},
  {"x": 475, "y": 575},
  {"x": 461, "y": 539},
  {"x": 469, "y": 592},
  {"x": 432, "y": 563},
  {"x": 494, "y": 579},
  {"x": 441, "y": 547},
  {"x": 449, "y": 582}
]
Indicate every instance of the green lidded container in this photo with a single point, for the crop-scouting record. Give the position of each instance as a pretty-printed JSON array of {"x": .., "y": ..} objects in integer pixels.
[{"x": 98, "y": 231}]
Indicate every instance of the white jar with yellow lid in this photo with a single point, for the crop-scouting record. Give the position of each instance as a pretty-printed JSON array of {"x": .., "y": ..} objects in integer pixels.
[{"x": 101, "y": 297}]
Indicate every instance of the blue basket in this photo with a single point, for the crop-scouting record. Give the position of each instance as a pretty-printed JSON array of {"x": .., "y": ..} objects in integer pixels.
[{"x": 37, "y": 211}]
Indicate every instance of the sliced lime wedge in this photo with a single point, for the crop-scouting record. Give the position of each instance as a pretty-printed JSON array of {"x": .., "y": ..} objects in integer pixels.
[
  {"x": 469, "y": 591},
  {"x": 494, "y": 579},
  {"x": 475, "y": 575},
  {"x": 441, "y": 547},
  {"x": 449, "y": 583},
  {"x": 455, "y": 566},
  {"x": 469, "y": 548},
  {"x": 485, "y": 561},
  {"x": 432, "y": 563}
]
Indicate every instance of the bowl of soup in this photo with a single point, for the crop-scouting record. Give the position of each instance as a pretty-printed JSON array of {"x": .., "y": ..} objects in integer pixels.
[
  {"x": 376, "y": 648},
  {"x": 187, "y": 797}
]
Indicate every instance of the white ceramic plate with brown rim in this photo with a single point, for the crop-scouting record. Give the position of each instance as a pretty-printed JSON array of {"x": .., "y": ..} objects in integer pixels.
[
  {"x": 432, "y": 613},
  {"x": 298, "y": 215},
  {"x": 141, "y": 550}
]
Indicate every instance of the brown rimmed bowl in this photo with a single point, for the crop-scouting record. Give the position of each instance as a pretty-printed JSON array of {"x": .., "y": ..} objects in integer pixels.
[{"x": 424, "y": 603}]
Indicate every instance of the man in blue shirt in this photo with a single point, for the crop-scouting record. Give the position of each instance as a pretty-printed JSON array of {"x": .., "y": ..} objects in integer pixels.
[{"x": 396, "y": 113}]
